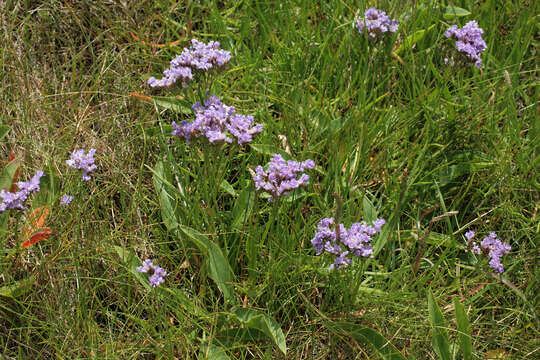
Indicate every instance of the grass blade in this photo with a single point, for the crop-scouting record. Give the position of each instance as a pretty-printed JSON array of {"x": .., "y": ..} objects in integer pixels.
[
  {"x": 440, "y": 341},
  {"x": 464, "y": 330}
]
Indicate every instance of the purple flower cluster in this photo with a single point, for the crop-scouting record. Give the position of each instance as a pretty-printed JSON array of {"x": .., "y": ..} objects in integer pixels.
[
  {"x": 66, "y": 199},
  {"x": 376, "y": 23},
  {"x": 15, "y": 200},
  {"x": 492, "y": 246},
  {"x": 356, "y": 240},
  {"x": 282, "y": 176},
  {"x": 469, "y": 42},
  {"x": 156, "y": 273},
  {"x": 217, "y": 121},
  {"x": 81, "y": 161},
  {"x": 199, "y": 57}
]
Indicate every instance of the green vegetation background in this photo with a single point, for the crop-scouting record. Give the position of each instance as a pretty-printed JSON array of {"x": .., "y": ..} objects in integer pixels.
[{"x": 392, "y": 131}]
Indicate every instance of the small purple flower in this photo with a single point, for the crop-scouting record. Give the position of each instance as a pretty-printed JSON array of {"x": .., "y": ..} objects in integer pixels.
[
  {"x": 156, "y": 273},
  {"x": 492, "y": 246},
  {"x": 376, "y": 23},
  {"x": 81, "y": 161},
  {"x": 218, "y": 122},
  {"x": 281, "y": 176},
  {"x": 66, "y": 199},
  {"x": 200, "y": 57},
  {"x": 469, "y": 42},
  {"x": 15, "y": 200},
  {"x": 356, "y": 240},
  {"x": 495, "y": 249}
]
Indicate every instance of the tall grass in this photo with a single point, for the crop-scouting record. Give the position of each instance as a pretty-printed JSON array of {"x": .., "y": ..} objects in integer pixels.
[{"x": 436, "y": 150}]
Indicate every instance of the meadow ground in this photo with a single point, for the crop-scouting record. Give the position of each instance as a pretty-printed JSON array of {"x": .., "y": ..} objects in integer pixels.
[{"x": 394, "y": 132}]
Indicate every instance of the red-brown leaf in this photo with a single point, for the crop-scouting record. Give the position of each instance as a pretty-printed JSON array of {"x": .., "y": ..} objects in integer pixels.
[{"x": 37, "y": 237}]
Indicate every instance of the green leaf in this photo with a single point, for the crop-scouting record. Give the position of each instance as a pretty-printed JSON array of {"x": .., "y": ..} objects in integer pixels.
[
  {"x": 258, "y": 320},
  {"x": 440, "y": 341},
  {"x": 413, "y": 39},
  {"x": 243, "y": 206},
  {"x": 173, "y": 103},
  {"x": 370, "y": 213},
  {"x": 132, "y": 262},
  {"x": 219, "y": 268},
  {"x": 233, "y": 336},
  {"x": 4, "y": 129},
  {"x": 464, "y": 330},
  {"x": 7, "y": 174},
  {"x": 452, "y": 12},
  {"x": 213, "y": 352},
  {"x": 225, "y": 185},
  {"x": 270, "y": 150},
  {"x": 166, "y": 200},
  {"x": 200, "y": 240},
  {"x": 17, "y": 289},
  {"x": 439, "y": 239},
  {"x": 220, "y": 271},
  {"x": 364, "y": 334}
]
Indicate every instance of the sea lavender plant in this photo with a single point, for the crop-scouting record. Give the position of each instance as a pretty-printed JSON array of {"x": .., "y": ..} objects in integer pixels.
[
  {"x": 200, "y": 57},
  {"x": 81, "y": 161},
  {"x": 490, "y": 246},
  {"x": 66, "y": 199},
  {"x": 282, "y": 176},
  {"x": 469, "y": 43},
  {"x": 156, "y": 273},
  {"x": 218, "y": 122},
  {"x": 340, "y": 241},
  {"x": 376, "y": 23},
  {"x": 15, "y": 200}
]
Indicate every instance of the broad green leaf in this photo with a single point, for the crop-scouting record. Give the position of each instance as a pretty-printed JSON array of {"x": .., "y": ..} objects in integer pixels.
[
  {"x": 220, "y": 270},
  {"x": 225, "y": 185},
  {"x": 200, "y": 240},
  {"x": 452, "y": 12},
  {"x": 413, "y": 39},
  {"x": 4, "y": 129},
  {"x": 243, "y": 206},
  {"x": 17, "y": 289},
  {"x": 439, "y": 239},
  {"x": 270, "y": 150},
  {"x": 7, "y": 174},
  {"x": 260, "y": 321},
  {"x": 364, "y": 334},
  {"x": 372, "y": 291},
  {"x": 440, "y": 341},
  {"x": 166, "y": 200},
  {"x": 233, "y": 336},
  {"x": 213, "y": 352},
  {"x": 175, "y": 104},
  {"x": 370, "y": 213},
  {"x": 464, "y": 330}
]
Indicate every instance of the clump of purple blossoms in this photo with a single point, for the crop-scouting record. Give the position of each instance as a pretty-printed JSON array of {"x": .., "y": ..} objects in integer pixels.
[
  {"x": 341, "y": 242},
  {"x": 15, "y": 200},
  {"x": 66, "y": 199},
  {"x": 469, "y": 42},
  {"x": 199, "y": 57},
  {"x": 156, "y": 273},
  {"x": 376, "y": 23},
  {"x": 81, "y": 161},
  {"x": 282, "y": 176},
  {"x": 490, "y": 245},
  {"x": 218, "y": 122}
]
